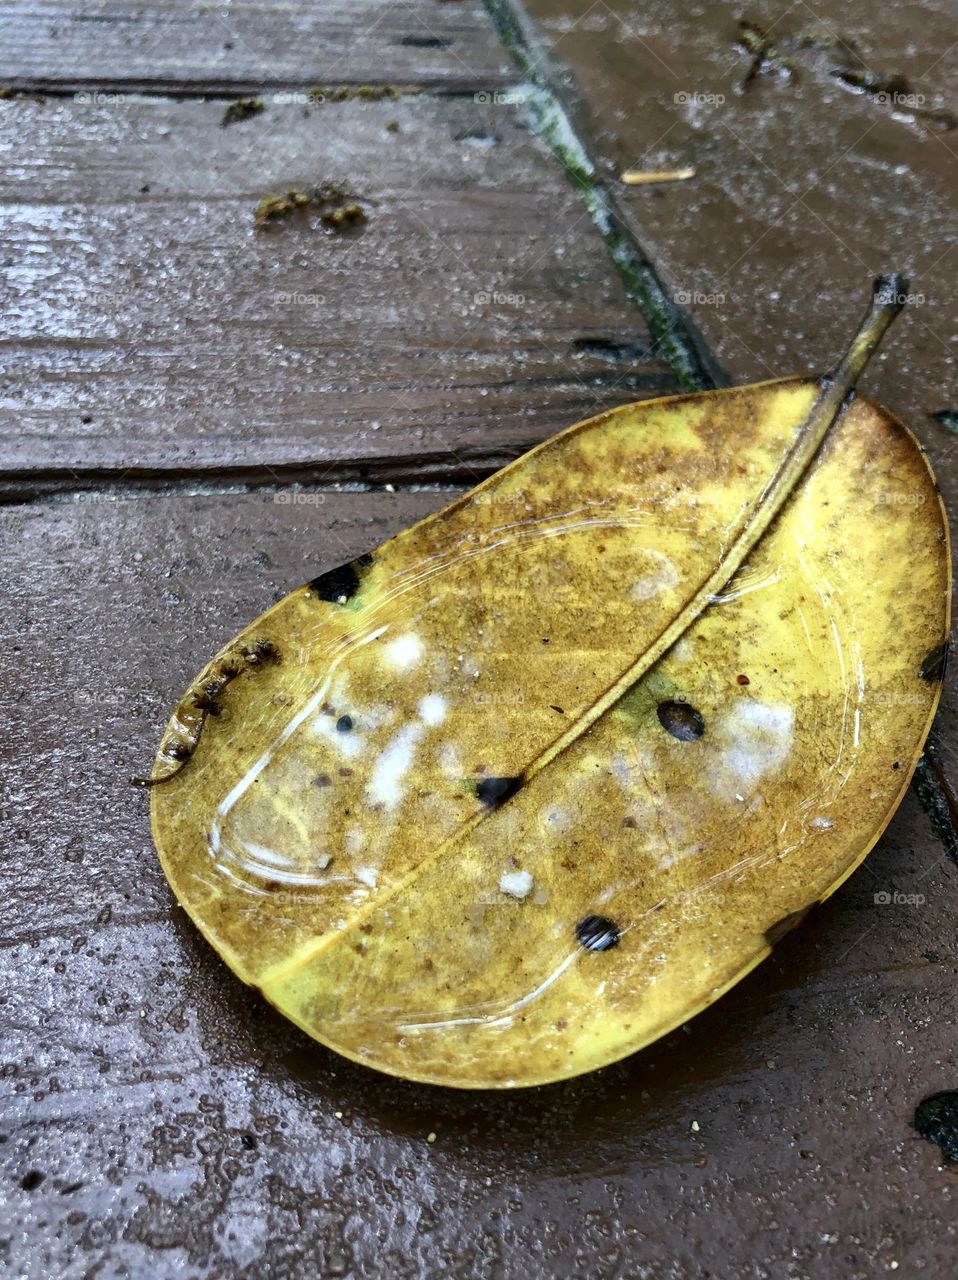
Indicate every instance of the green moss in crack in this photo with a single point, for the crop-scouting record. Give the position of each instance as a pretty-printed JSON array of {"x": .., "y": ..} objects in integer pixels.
[
  {"x": 10, "y": 92},
  {"x": 545, "y": 116},
  {"x": 242, "y": 109},
  {"x": 320, "y": 93}
]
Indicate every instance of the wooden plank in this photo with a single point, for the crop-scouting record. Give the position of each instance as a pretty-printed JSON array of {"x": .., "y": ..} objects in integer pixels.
[
  {"x": 159, "y": 1120},
  {"x": 149, "y": 328},
  {"x": 240, "y": 47}
]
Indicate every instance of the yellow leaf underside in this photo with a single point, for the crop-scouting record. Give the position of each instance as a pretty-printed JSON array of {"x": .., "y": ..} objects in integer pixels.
[{"x": 357, "y": 879}]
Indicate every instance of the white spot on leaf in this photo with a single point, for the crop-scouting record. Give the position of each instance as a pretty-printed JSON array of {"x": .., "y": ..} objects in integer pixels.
[
  {"x": 432, "y": 708},
  {"x": 518, "y": 884},
  {"x": 386, "y": 780},
  {"x": 662, "y": 576},
  {"x": 760, "y": 738},
  {"x": 404, "y": 652}
]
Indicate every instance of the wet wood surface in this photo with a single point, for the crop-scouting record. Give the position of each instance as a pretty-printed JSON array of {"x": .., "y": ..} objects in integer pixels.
[
  {"x": 159, "y": 356},
  {"x": 181, "y": 1126},
  {"x": 238, "y": 47},
  {"x": 150, "y": 327}
]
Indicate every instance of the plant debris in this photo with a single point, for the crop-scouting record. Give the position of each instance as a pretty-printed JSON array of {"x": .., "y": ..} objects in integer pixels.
[
  {"x": 766, "y": 60},
  {"x": 10, "y": 91},
  {"x": 242, "y": 109},
  {"x": 843, "y": 64},
  {"x": 894, "y": 92},
  {"x": 639, "y": 177},
  {"x": 320, "y": 93},
  {"x": 336, "y": 208}
]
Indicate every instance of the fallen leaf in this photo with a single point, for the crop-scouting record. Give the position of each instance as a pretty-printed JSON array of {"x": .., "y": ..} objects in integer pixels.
[{"x": 740, "y": 591}]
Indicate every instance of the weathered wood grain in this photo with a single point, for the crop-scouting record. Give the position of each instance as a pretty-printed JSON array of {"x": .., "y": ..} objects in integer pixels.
[
  {"x": 149, "y": 327},
  {"x": 170, "y": 45},
  {"x": 181, "y": 1128}
]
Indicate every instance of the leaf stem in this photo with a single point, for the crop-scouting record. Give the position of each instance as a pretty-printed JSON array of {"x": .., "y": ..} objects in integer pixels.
[{"x": 888, "y": 299}]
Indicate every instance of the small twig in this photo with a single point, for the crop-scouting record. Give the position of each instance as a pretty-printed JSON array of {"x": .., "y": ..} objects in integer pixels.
[{"x": 639, "y": 177}]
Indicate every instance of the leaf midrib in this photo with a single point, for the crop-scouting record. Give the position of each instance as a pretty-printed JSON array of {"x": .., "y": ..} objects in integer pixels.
[{"x": 824, "y": 413}]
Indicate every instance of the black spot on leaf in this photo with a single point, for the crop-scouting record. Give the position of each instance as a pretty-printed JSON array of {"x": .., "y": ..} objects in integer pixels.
[
  {"x": 597, "y": 933},
  {"x": 496, "y": 791},
  {"x": 681, "y": 720},
  {"x": 30, "y": 1181},
  {"x": 937, "y": 1120},
  {"x": 340, "y": 584},
  {"x": 344, "y": 724}
]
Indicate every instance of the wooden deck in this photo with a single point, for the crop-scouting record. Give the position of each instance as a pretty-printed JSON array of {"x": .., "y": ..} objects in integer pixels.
[{"x": 198, "y": 415}]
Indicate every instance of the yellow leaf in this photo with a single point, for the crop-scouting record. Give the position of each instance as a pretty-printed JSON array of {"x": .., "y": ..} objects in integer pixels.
[{"x": 547, "y": 773}]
